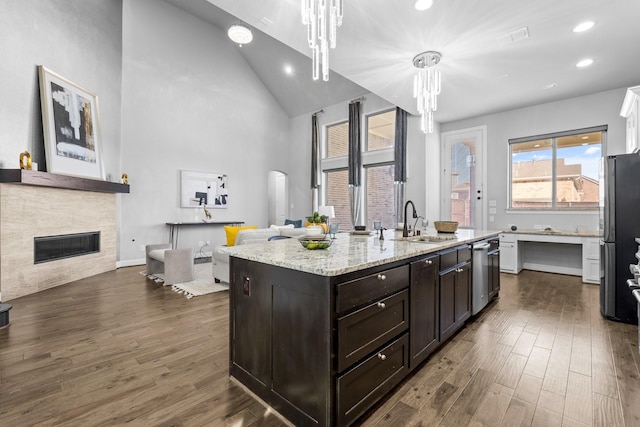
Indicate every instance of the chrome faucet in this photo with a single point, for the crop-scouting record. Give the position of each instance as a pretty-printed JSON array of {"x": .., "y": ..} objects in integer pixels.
[{"x": 405, "y": 229}]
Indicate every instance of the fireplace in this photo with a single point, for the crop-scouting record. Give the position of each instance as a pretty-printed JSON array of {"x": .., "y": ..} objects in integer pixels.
[
  {"x": 54, "y": 217},
  {"x": 51, "y": 248}
]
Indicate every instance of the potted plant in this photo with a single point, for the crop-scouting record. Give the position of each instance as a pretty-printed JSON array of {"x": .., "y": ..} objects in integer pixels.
[{"x": 318, "y": 220}]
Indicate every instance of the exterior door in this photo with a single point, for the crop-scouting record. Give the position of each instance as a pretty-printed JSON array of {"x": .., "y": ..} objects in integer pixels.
[{"x": 463, "y": 177}]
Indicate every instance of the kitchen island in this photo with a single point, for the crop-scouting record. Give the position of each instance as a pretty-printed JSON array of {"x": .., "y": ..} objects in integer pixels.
[{"x": 322, "y": 335}]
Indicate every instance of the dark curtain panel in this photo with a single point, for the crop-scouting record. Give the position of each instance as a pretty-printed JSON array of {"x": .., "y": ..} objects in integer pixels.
[
  {"x": 314, "y": 151},
  {"x": 355, "y": 152},
  {"x": 400, "y": 158},
  {"x": 355, "y": 162}
]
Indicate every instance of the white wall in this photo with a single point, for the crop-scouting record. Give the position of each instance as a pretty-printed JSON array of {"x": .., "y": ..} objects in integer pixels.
[
  {"x": 591, "y": 110},
  {"x": 191, "y": 102},
  {"x": 78, "y": 39},
  {"x": 300, "y": 134}
]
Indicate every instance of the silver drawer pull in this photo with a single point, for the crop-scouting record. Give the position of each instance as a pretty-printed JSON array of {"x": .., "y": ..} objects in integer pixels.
[
  {"x": 382, "y": 305},
  {"x": 428, "y": 262},
  {"x": 382, "y": 277},
  {"x": 382, "y": 356}
]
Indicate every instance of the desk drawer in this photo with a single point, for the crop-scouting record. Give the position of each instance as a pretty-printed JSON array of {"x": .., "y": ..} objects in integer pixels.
[
  {"x": 371, "y": 288},
  {"x": 366, "y": 383},
  {"x": 365, "y": 330}
]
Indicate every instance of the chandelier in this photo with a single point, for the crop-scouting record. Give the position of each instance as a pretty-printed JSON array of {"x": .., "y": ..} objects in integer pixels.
[
  {"x": 322, "y": 18},
  {"x": 426, "y": 87}
]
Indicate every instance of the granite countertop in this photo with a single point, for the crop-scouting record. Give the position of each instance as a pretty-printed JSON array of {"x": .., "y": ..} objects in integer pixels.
[
  {"x": 554, "y": 232},
  {"x": 349, "y": 252}
]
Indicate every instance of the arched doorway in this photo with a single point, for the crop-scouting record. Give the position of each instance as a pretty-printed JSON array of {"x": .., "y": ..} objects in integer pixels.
[{"x": 278, "y": 197}]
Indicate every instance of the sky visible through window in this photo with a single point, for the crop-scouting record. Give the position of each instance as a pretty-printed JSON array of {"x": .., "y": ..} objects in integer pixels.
[{"x": 586, "y": 155}]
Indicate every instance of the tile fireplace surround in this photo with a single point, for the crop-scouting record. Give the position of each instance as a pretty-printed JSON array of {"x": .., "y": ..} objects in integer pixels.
[{"x": 33, "y": 204}]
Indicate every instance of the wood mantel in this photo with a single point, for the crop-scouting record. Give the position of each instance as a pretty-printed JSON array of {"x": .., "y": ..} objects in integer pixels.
[{"x": 46, "y": 179}]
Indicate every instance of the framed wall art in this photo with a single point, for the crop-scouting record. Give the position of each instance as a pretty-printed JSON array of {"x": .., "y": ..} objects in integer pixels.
[
  {"x": 203, "y": 189},
  {"x": 71, "y": 127}
]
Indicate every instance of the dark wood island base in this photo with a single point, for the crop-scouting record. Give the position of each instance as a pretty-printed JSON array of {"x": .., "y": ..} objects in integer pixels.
[{"x": 322, "y": 350}]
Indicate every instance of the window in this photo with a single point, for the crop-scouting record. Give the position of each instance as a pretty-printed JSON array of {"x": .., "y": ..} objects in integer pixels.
[
  {"x": 556, "y": 171},
  {"x": 378, "y": 176}
]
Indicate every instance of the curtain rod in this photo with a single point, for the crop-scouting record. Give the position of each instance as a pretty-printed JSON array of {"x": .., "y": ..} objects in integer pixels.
[
  {"x": 362, "y": 98},
  {"x": 318, "y": 112}
]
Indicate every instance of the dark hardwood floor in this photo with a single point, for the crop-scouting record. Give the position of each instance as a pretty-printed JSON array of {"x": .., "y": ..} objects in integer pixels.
[{"x": 118, "y": 348}]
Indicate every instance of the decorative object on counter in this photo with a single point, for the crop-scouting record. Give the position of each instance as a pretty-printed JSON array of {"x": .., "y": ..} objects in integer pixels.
[
  {"x": 514, "y": 228},
  {"x": 327, "y": 211},
  {"x": 25, "y": 160},
  {"x": 446, "y": 226},
  {"x": 312, "y": 242},
  {"x": 71, "y": 127},
  {"x": 317, "y": 219},
  {"x": 124, "y": 178},
  {"x": 333, "y": 229},
  {"x": 377, "y": 225}
]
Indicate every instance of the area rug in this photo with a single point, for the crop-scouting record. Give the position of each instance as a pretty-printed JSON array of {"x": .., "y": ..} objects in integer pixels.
[{"x": 202, "y": 283}]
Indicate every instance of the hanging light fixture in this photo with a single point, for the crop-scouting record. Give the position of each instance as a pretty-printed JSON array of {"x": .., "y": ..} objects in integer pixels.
[
  {"x": 322, "y": 18},
  {"x": 426, "y": 87}
]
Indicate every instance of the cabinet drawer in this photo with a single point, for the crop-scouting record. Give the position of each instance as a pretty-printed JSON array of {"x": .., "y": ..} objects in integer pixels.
[
  {"x": 362, "y": 386},
  {"x": 364, "y": 330},
  {"x": 451, "y": 257},
  {"x": 464, "y": 254},
  {"x": 371, "y": 288},
  {"x": 448, "y": 259}
]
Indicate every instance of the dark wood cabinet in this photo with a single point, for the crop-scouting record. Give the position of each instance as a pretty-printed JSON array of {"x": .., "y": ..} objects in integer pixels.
[
  {"x": 455, "y": 290},
  {"x": 494, "y": 273},
  {"x": 322, "y": 350},
  {"x": 463, "y": 293},
  {"x": 368, "y": 381},
  {"x": 424, "y": 309}
]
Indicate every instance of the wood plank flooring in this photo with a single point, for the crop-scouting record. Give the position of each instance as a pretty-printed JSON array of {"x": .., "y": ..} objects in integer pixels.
[{"x": 117, "y": 348}]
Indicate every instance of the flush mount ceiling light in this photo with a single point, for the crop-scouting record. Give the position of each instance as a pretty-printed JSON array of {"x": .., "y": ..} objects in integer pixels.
[
  {"x": 240, "y": 34},
  {"x": 584, "y": 63},
  {"x": 423, "y": 4},
  {"x": 426, "y": 87},
  {"x": 322, "y": 18},
  {"x": 584, "y": 26}
]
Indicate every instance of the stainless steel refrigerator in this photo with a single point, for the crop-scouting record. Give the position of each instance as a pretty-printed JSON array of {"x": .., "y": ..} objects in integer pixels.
[{"x": 620, "y": 223}]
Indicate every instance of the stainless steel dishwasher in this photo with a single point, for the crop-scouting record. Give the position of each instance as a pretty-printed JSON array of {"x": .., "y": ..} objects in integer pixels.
[{"x": 480, "y": 276}]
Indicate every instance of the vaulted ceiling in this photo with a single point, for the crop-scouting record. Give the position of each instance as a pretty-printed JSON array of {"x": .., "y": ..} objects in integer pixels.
[{"x": 481, "y": 73}]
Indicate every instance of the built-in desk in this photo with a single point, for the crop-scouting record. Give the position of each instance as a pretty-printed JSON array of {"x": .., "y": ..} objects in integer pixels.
[{"x": 564, "y": 252}]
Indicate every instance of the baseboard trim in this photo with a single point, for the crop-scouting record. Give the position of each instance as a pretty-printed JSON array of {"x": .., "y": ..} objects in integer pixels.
[{"x": 130, "y": 263}]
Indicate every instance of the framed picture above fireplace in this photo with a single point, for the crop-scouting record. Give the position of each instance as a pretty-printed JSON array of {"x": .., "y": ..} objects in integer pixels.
[{"x": 71, "y": 127}]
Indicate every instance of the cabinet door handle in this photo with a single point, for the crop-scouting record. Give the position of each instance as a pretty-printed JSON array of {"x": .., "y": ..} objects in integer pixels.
[
  {"x": 381, "y": 304},
  {"x": 382, "y": 277},
  {"x": 382, "y": 356},
  {"x": 428, "y": 262}
]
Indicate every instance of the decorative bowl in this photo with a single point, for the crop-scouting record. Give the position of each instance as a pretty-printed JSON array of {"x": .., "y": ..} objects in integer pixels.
[
  {"x": 446, "y": 226},
  {"x": 315, "y": 243}
]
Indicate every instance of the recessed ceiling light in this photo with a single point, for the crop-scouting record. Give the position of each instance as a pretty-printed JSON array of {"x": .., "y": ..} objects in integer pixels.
[
  {"x": 423, "y": 4},
  {"x": 536, "y": 146},
  {"x": 551, "y": 85},
  {"x": 583, "y": 26},
  {"x": 584, "y": 63},
  {"x": 288, "y": 69},
  {"x": 585, "y": 137},
  {"x": 240, "y": 34}
]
